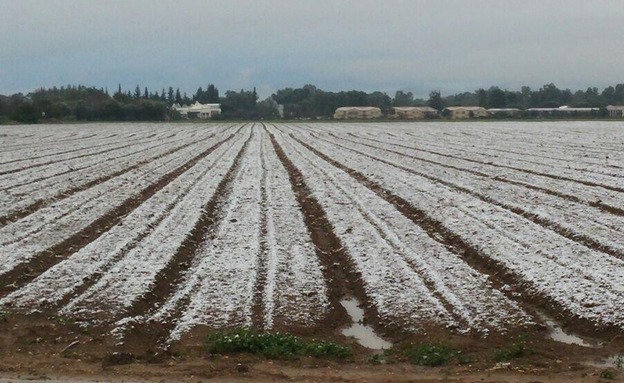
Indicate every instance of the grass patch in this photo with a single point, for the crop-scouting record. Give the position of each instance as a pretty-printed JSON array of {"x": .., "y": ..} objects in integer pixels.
[
  {"x": 608, "y": 374},
  {"x": 4, "y": 316},
  {"x": 425, "y": 354},
  {"x": 273, "y": 345},
  {"x": 517, "y": 350}
]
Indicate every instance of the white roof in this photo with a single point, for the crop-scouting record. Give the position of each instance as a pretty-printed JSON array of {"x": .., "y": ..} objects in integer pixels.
[
  {"x": 564, "y": 108},
  {"x": 361, "y": 108},
  {"x": 473, "y": 108},
  {"x": 421, "y": 108}
]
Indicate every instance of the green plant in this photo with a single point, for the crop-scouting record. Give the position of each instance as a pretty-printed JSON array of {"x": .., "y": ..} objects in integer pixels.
[
  {"x": 619, "y": 361},
  {"x": 273, "y": 345},
  {"x": 4, "y": 316},
  {"x": 465, "y": 359},
  {"x": 516, "y": 350},
  {"x": 426, "y": 354},
  {"x": 377, "y": 359},
  {"x": 607, "y": 374}
]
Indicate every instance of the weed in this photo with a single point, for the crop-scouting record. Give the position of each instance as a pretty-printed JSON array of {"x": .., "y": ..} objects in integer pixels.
[
  {"x": 607, "y": 374},
  {"x": 4, "y": 316},
  {"x": 63, "y": 321},
  {"x": 619, "y": 361},
  {"x": 273, "y": 345},
  {"x": 426, "y": 354},
  {"x": 463, "y": 359},
  {"x": 516, "y": 350},
  {"x": 377, "y": 359}
]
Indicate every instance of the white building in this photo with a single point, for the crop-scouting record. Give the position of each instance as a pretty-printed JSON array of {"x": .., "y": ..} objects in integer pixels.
[
  {"x": 357, "y": 112},
  {"x": 460, "y": 112},
  {"x": 511, "y": 112},
  {"x": 413, "y": 112},
  {"x": 197, "y": 110},
  {"x": 615, "y": 111},
  {"x": 563, "y": 110}
]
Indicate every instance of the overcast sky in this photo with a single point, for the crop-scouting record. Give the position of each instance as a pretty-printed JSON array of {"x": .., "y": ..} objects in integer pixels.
[{"x": 337, "y": 45}]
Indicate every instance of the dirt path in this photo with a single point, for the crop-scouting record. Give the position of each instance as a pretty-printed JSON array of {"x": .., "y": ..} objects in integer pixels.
[{"x": 261, "y": 372}]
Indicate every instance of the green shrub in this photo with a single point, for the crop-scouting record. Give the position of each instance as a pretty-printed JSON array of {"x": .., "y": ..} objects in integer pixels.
[
  {"x": 273, "y": 345},
  {"x": 426, "y": 354},
  {"x": 516, "y": 350},
  {"x": 4, "y": 316},
  {"x": 608, "y": 374}
]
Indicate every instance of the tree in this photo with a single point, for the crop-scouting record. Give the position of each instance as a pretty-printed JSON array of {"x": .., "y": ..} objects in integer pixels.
[
  {"x": 526, "y": 96},
  {"x": 403, "y": 99},
  {"x": 482, "y": 94},
  {"x": 170, "y": 96},
  {"x": 199, "y": 96},
  {"x": 137, "y": 92},
  {"x": 435, "y": 100},
  {"x": 496, "y": 98},
  {"x": 178, "y": 97},
  {"x": 212, "y": 94},
  {"x": 146, "y": 94}
]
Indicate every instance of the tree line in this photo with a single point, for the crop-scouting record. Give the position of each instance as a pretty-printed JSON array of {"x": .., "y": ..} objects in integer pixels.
[{"x": 81, "y": 103}]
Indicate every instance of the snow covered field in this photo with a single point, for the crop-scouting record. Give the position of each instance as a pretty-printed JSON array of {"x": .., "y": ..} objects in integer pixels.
[{"x": 469, "y": 227}]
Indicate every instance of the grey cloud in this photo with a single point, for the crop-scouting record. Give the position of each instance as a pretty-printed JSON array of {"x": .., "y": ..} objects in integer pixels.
[{"x": 400, "y": 44}]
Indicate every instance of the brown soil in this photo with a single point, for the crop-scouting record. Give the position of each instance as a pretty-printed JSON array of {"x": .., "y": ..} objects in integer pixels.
[
  {"x": 545, "y": 223},
  {"x": 26, "y": 272},
  {"x": 44, "y": 345},
  {"x": 496, "y": 272},
  {"x": 69, "y": 192},
  {"x": 597, "y": 204},
  {"x": 36, "y": 347}
]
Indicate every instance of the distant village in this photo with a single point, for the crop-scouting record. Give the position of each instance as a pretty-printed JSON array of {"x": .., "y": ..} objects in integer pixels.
[
  {"x": 468, "y": 112},
  {"x": 81, "y": 103},
  {"x": 211, "y": 111}
]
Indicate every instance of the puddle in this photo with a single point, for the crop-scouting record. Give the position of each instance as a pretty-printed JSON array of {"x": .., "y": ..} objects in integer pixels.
[
  {"x": 615, "y": 361},
  {"x": 365, "y": 335},
  {"x": 556, "y": 333}
]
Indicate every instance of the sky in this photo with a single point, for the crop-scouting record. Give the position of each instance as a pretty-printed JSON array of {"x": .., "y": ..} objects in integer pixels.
[{"x": 410, "y": 45}]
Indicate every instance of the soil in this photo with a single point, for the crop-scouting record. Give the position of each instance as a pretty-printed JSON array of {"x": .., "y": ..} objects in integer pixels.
[
  {"x": 43, "y": 345},
  {"x": 35, "y": 346}
]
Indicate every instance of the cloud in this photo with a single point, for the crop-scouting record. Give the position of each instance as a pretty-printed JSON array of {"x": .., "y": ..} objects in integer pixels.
[{"x": 402, "y": 44}]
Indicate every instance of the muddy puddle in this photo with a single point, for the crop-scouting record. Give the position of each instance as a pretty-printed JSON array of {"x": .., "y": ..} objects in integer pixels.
[
  {"x": 615, "y": 361},
  {"x": 365, "y": 335},
  {"x": 556, "y": 333}
]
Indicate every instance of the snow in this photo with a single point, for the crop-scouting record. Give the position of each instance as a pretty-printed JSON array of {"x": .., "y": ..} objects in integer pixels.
[{"x": 527, "y": 196}]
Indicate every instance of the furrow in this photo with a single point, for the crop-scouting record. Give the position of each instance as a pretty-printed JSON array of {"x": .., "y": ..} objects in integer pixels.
[
  {"x": 295, "y": 293},
  {"x": 73, "y": 276},
  {"x": 23, "y": 272},
  {"x": 445, "y": 275},
  {"x": 597, "y": 232},
  {"x": 586, "y": 182},
  {"x": 218, "y": 288},
  {"x": 570, "y": 279},
  {"x": 162, "y": 299},
  {"x": 38, "y": 204}
]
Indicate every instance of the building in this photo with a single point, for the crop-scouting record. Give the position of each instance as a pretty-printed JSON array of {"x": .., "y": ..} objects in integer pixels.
[
  {"x": 505, "y": 112},
  {"x": 461, "y": 112},
  {"x": 413, "y": 112},
  {"x": 197, "y": 110},
  {"x": 615, "y": 111},
  {"x": 563, "y": 111},
  {"x": 357, "y": 112}
]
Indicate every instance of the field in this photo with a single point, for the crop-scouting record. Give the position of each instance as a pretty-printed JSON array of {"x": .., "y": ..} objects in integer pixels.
[{"x": 153, "y": 236}]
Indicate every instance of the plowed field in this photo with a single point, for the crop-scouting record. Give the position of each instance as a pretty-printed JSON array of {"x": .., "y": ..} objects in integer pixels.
[{"x": 152, "y": 236}]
